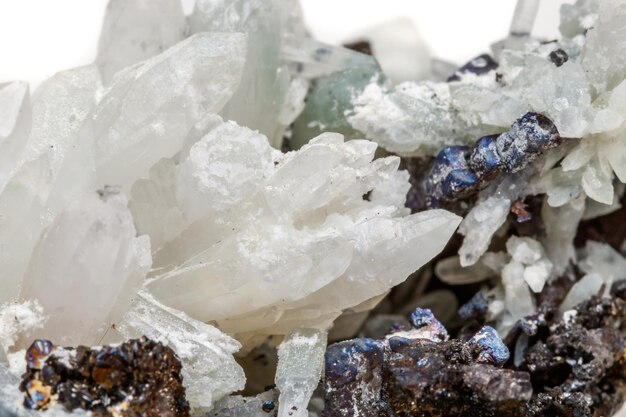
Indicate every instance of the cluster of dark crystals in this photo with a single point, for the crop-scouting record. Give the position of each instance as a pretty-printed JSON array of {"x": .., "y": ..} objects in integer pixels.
[
  {"x": 139, "y": 377},
  {"x": 459, "y": 172},
  {"x": 573, "y": 365},
  {"x": 419, "y": 372}
]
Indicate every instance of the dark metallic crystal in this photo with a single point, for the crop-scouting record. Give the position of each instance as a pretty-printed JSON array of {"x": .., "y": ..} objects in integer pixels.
[
  {"x": 136, "y": 378},
  {"x": 459, "y": 172},
  {"x": 480, "y": 65}
]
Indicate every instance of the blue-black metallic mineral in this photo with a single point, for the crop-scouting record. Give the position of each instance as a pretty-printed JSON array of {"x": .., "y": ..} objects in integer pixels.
[
  {"x": 480, "y": 65},
  {"x": 423, "y": 320},
  {"x": 418, "y": 373},
  {"x": 484, "y": 160},
  {"x": 451, "y": 175},
  {"x": 525, "y": 141},
  {"x": 353, "y": 383},
  {"x": 489, "y": 347},
  {"x": 476, "y": 308},
  {"x": 571, "y": 367},
  {"x": 459, "y": 172}
]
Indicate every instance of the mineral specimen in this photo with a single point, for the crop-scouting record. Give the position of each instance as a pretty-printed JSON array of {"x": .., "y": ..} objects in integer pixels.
[
  {"x": 137, "y": 378},
  {"x": 204, "y": 191},
  {"x": 570, "y": 367}
]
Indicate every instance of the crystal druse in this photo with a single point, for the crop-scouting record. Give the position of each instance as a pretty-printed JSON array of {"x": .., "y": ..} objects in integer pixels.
[{"x": 225, "y": 217}]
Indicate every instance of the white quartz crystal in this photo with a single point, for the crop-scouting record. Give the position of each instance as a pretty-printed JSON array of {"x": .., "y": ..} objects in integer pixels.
[
  {"x": 411, "y": 116},
  {"x": 588, "y": 286},
  {"x": 300, "y": 365},
  {"x": 450, "y": 271},
  {"x": 237, "y": 405},
  {"x": 135, "y": 30},
  {"x": 209, "y": 369},
  {"x": 529, "y": 253},
  {"x": 561, "y": 224},
  {"x": 14, "y": 126},
  {"x": 601, "y": 259},
  {"x": 479, "y": 226},
  {"x": 525, "y": 270},
  {"x": 150, "y": 108},
  {"x": 46, "y": 178},
  {"x": 89, "y": 253},
  {"x": 518, "y": 299},
  {"x": 266, "y": 83},
  {"x": 275, "y": 240}
]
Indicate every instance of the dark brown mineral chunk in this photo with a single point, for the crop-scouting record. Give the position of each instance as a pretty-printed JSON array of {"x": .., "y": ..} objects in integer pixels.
[
  {"x": 136, "y": 378},
  {"x": 569, "y": 365}
]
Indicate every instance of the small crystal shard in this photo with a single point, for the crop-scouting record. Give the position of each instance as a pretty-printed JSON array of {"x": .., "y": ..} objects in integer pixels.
[{"x": 300, "y": 365}]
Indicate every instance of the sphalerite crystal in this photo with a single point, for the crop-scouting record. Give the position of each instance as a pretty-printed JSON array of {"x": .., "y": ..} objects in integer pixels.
[
  {"x": 139, "y": 377},
  {"x": 221, "y": 212}
]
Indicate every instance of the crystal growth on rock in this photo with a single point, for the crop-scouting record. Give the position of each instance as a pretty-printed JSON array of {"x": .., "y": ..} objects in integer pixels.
[
  {"x": 219, "y": 195},
  {"x": 138, "y": 377}
]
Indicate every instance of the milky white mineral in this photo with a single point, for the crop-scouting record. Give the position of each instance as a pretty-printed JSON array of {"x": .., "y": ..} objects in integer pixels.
[
  {"x": 300, "y": 236},
  {"x": 603, "y": 260},
  {"x": 14, "y": 126},
  {"x": 45, "y": 179},
  {"x": 530, "y": 253},
  {"x": 18, "y": 320},
  {"x": 237, "y": 405},
  {"x": 450, "y": 271},
  {"x": 588, "y": 286},
  {"x": 90, "y": 253},
  {"x": 525, "y": 269},
  {"x": 300, "y": 365},
  {"x": 479, "y": 226},
  {"x": 150, "y": 108},
  {"x": 561, "y": 224},
  {"x": 266, "y": 81},
  {"x": 135, "y": 30}
]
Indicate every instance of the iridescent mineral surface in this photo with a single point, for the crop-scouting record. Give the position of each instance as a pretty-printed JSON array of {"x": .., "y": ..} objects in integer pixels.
[{"x": 136, "y": 378}]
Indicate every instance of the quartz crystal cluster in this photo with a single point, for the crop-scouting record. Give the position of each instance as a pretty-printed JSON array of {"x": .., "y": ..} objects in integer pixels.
[{"x": 223, "y": 216}]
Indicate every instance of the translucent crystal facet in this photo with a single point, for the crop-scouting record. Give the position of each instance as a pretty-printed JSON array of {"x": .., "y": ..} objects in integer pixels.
[
  {"x": 148, "y": 111},
  {"x": 102, "y": 268}
]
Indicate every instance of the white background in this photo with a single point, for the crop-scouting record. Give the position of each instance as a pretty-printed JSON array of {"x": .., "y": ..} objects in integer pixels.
[{"x": 41, "y": 37}]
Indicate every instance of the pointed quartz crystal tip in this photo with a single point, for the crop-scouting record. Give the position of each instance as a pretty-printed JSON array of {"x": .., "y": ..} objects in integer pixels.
[
  {"x": 86, "y": 268},
  {"x": 300, "y": 365},
  {"x": 149, "y": 110},
  {"x": 53, "y": 171},
  {"x": 265, "y": 83},
  {"x": 134, "y": 30}
]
